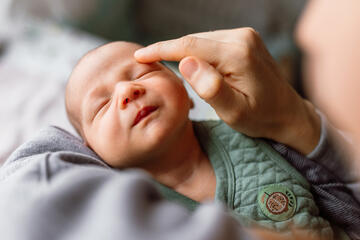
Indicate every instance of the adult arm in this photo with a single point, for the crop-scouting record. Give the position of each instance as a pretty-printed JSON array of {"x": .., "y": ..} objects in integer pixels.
[{"x": 234, "y": 73}]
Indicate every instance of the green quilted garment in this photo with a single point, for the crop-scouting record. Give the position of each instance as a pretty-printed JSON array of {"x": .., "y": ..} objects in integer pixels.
[{"x": 248, "y": 172}]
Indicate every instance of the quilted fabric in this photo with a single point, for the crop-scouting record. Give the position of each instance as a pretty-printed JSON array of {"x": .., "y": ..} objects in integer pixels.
[{"x": 243, "y": 166}]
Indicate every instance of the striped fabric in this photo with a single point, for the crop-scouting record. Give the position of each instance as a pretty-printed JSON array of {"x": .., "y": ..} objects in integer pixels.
[{"x": 333, "y": 197}]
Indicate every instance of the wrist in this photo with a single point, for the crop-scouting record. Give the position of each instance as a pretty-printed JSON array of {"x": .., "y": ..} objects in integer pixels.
[
  {"x": 319, "y": 148},
  {"x": 304, "y": 129}
]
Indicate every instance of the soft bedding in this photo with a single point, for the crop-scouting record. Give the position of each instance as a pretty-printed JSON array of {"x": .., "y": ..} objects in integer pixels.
[
  {"x": 33, "y": 71},
  {"x": 53, "y": 187}
]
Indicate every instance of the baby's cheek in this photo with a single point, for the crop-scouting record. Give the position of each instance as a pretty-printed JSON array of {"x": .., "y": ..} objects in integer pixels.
[
  {"x": 182, "y": 97},
  {"x": 102, "y": 139},
  {"x": 105, "y": 149}
]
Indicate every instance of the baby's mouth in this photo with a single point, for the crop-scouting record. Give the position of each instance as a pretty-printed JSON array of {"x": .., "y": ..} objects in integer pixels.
[{"x": 145, "y": 111}]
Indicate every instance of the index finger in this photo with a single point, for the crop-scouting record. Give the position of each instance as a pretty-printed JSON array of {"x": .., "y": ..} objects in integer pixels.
[
  {"x": 174, "y": 50},
  {"x": 235, "y": 35}
]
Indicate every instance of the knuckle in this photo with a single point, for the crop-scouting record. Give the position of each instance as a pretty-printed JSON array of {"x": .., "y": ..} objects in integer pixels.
[
  {"x": 251, "y": 37},
  {"x": 248, "y": 55},
  {"x": 241, "y": 57},
  {"x": 251, "y": 33},
  {"x": 188, "y": 42},
  {"x": 158, "y": 47},
  {"x": 237, "y": 52},
  {"x": 244, "y": 54}
]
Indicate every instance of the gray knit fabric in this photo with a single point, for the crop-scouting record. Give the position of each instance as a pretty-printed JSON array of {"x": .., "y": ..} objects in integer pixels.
[
  {"x": 53, "y": 187},
  {"x": 334, "y": 199}
]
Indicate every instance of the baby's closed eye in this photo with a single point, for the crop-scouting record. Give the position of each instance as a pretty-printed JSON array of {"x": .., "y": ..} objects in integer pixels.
[
  {"x": 145, "y": 70},
  {"x": 142, "y": 73},
  {"x": 102, "y": 106}
]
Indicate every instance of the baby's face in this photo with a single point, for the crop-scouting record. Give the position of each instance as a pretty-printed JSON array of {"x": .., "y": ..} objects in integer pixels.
[{"x": 128, "y": 112}]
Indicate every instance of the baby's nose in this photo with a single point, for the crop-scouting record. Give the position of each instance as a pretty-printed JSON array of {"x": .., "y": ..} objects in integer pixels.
[{"x": 130, "y": 92}]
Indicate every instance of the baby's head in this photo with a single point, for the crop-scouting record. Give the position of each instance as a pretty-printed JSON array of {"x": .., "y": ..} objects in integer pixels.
[{"x": 127, "y": 112}]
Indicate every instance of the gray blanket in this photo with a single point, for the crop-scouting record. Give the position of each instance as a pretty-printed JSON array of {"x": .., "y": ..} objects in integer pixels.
[{"x": 53, "y": 187}]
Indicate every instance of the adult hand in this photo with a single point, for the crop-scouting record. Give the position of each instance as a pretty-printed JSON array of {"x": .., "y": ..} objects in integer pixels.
[{"x": 233, "y": 72}]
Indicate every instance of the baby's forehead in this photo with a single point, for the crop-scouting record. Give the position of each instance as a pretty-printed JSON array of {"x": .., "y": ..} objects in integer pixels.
[
  {"x": 123, "y": 49},
  {"x": 105, "y": 59},
  {"x": 108, "y": 55}
]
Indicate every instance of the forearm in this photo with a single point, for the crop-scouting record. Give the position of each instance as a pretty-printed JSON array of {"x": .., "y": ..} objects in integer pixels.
[{"x": 301, "y": 128}]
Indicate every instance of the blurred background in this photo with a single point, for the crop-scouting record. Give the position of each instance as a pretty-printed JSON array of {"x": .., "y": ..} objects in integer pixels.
[{"x": 41, "y": 41}]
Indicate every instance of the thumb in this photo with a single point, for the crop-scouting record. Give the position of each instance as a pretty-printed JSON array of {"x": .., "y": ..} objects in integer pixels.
[{"x": 210, "y": 85}]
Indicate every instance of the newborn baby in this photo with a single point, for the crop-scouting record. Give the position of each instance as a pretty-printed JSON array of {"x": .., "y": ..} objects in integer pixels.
[{"x": 136, "y": 115}]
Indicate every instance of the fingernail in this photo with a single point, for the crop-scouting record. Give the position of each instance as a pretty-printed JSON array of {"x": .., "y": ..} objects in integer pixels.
[{"x": 189, "y": 67}]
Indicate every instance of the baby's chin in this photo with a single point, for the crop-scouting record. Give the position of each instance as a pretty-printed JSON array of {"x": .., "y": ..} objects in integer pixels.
[
  {"x": 139, "y": 160},
  {"x": 148, "y": 153},
  {"x": 142, "y": 154}
]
